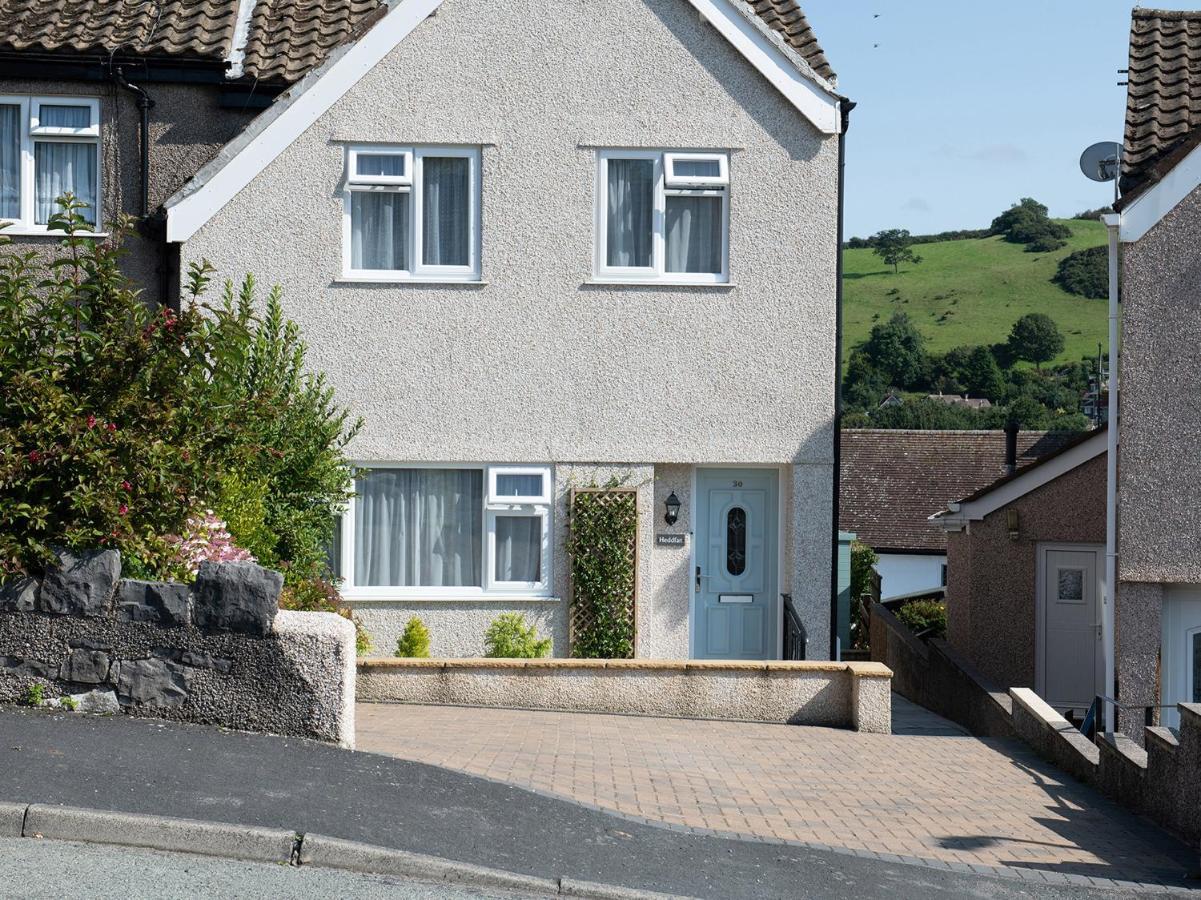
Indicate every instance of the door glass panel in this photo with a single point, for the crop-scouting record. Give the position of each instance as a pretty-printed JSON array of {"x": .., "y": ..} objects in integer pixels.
[
  {"x": 1196, "y": 668},
  {"x": 1071, "y": 586},
  {"x": 736, "y": 541}
]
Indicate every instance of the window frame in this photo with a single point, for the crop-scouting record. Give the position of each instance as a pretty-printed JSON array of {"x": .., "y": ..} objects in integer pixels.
[
  {"x": 700, "y": 186},
  {"x": 412, "y": 184},
  {"x": 490, "y": 588},
  {"x": 31, "y": 135}
]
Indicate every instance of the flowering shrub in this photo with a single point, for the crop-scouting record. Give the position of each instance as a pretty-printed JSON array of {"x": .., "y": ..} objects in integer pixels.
[
  {"x": 312, "y": 593},
  {"x": 205, "y": 539},
  {"x": 120, "y": 421}
]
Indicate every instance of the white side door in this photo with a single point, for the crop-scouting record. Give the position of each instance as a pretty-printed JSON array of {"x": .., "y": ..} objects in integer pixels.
[
  {"x": 1181, "y": 651},
  {"x": 1070, "y": 665}
]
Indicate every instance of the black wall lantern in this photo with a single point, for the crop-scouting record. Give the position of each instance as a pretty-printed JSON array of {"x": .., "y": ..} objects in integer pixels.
[{"x": 672, "y": 503}]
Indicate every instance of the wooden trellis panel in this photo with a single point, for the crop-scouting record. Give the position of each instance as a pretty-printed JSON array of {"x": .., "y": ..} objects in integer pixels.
[{"x": 622, "y": 597}]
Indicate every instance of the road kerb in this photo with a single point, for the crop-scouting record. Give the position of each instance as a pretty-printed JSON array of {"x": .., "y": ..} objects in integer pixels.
[
  {"x": 94, "y": 826},
  {"x": 336, "y": 853},
  {"x": 574, "y": 887},
  {"x": 12, "y": 818}
]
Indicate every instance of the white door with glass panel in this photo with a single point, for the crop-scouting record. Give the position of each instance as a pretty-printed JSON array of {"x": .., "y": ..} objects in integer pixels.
[
  {"x": 736, "y": 610},
  {"x": 1181, "y": 651},
  {"x": 1070, "y": 666}
]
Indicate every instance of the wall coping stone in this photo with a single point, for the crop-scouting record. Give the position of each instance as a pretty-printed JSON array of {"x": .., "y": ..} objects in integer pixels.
[{"x": 782, "y": 667}]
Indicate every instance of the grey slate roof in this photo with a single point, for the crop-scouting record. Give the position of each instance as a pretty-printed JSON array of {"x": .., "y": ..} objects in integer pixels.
[
  {"x": 1163, "y": 97},
  {"x": 893, "y": 481}
]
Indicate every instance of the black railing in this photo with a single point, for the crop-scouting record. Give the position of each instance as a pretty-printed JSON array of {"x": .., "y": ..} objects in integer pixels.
[{"x": 794, "y": 631}]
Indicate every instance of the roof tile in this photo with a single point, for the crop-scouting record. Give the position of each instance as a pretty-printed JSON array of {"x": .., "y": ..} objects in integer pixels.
[
  {"x": 893, "y": 481},
  {"x": 1163, "y": 95},
  {"x": 785, "y": 18}
]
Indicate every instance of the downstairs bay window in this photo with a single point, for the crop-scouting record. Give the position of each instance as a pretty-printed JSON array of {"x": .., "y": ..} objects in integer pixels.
[
  {"x": 411, "y": 213},
  {"x": 443, "y": 533},
  {"x": 662, "y": 216},
  {"x": 49, "y": 146}
]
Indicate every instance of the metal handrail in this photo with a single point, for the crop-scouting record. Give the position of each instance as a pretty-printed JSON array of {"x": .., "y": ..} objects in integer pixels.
[
  {"x": 1088, "y": 726},
  {"x": 795, "y": 637}
]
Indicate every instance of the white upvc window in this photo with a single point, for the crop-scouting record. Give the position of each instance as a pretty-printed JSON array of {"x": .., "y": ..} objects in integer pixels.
[
  {"x": 445, "y": 532},
  {"x": 411, "y": 213},
  {"x": 49, "y": 146},
  {"x": 662, "y": 216}
]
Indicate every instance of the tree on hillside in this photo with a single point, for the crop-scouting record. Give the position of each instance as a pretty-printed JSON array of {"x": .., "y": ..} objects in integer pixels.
[
  {"x": 1035, "y": 338},
  {"x": 895, "y": 246},
  {"x": 898, "y": 350},
  {"x": 972, "y": 370},
  {"x": 1085, "y": 273},
  {"x": 1027, "y": 222}
]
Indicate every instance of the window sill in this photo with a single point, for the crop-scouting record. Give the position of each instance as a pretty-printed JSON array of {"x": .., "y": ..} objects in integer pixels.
[
  {"x": 351, "y": 598},
  {"x": 416, "y": 282},
  {"x": 26, "y": 231},
  {"x": 657, "y": 283}
]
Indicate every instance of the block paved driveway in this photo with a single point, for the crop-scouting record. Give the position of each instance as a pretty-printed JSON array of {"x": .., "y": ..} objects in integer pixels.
[{"x": 927, "y": 793}]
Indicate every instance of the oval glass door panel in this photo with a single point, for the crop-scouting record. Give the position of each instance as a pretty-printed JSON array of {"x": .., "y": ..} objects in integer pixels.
[{"x": 736, "y": 541}]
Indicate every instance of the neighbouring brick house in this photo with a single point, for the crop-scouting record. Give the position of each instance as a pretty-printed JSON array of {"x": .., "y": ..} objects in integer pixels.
[
  {"x": 894, "y": 480},
  {"x": 1025, "y": 565},
  {"x": 76, "y": 76}
]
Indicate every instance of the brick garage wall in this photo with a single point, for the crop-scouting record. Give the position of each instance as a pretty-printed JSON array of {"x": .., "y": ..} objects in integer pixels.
[
  {"x": 992, "y": 578},
  {"x": 219, "y": 652}
]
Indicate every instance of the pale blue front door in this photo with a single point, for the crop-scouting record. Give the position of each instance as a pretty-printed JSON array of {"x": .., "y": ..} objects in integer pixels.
[{"x": 736, "y": 609}]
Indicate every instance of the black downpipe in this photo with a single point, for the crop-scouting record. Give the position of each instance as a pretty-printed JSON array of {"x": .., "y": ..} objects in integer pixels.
[
  {"x": 845, "y": 106},
  {"x": 145, "y": 104}
]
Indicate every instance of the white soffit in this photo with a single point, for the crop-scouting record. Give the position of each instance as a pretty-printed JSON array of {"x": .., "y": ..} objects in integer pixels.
[
  {"x": 957, "y": 515},
  {"x": 246, "y": 156},
  {"x": 815, "y": 103},
  {"x": 1147, "y": 209}
]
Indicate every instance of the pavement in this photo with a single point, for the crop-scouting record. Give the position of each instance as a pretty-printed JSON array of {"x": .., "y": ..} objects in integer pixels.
[
  {"x": 53, "y": 870},
  {"x": 142, "y": 766}
]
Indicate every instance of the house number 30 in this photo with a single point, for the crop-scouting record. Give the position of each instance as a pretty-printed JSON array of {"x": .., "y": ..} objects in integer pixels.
[{"x": 737, "y": 484}]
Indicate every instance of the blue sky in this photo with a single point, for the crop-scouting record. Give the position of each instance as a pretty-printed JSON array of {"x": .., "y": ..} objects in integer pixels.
[{"x": 966, "y": 106}]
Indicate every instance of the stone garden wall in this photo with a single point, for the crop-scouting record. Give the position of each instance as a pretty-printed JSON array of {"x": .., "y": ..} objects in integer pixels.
[{"x": 218, "y": 652}]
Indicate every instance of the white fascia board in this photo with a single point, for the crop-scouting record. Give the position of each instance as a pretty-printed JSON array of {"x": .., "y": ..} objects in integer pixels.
[
  {"x": 958, "y": 515},
  {"x": 293, "y": 113},
  {"x": 1147, "y": 209},
  {"x": 815, "y": 102}
]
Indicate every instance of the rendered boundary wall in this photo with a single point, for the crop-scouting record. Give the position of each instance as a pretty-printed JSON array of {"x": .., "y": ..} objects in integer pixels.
[{"x": 840, "y": 695}]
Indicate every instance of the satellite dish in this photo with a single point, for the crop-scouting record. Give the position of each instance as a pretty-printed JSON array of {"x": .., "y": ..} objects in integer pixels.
[{"x": 1102, "y": 161}]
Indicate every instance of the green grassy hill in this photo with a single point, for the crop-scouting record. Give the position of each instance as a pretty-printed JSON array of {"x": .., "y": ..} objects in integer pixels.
[{"x": 971, "y": 292}]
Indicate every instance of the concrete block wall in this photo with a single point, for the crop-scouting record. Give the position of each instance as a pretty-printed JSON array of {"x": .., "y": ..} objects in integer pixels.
[{"x": 219, "y": 652}]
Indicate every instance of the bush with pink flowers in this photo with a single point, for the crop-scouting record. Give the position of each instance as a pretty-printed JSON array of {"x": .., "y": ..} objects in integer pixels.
[{"x": 123, "y": 424}]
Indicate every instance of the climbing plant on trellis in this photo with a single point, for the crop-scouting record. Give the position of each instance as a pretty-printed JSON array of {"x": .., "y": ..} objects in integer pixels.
[{"x": 603, "y": 544}]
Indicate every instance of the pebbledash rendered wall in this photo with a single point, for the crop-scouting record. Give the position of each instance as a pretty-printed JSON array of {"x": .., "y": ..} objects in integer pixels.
[
  {"x": 537, "y": 364},
  {"x": 219, "y": 652}
]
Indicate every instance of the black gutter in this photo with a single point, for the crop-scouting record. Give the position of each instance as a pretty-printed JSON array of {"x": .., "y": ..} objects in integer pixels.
[
  {"x": 145, "y": 104},
  {"x": 844, "y": 107}
]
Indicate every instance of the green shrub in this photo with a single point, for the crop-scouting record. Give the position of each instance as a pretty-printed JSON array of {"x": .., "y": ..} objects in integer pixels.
[
  {"x": 509, "y": 637},
  {"x": 1085, "y": 273},
  {"x": 925, "y": 615},
  {"x": 68, "y": 703},
  {"x": 415, "y": 642},
  {"x": 35, "y": 694},
  {"x": 119, "y": 422}
]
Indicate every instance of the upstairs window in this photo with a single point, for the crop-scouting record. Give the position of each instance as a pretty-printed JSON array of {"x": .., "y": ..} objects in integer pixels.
[
  {"x": 49, "y": 146},
  {"x": 663, "y": 216},
  {"x": 412, "y": 212}
]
